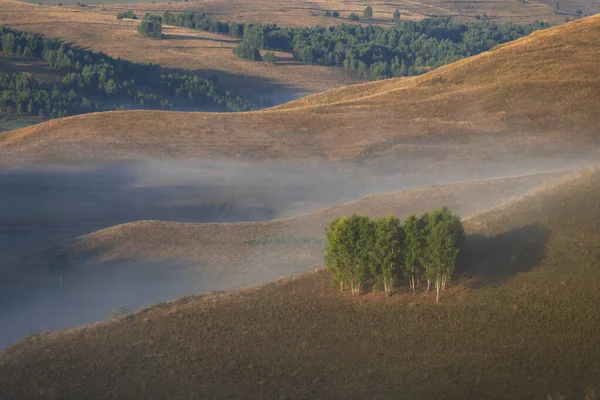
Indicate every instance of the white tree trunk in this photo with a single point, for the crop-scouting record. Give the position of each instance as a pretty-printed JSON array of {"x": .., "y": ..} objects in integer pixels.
[{"x": 428, "y": 284}]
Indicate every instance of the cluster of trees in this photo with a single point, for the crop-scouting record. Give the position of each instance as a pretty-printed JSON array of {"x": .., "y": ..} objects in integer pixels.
[
  {"x": 361, "y": 251},
  {"x": 246, "y": 51},
  {"x": 408, "y": 48},
  {"x": 128, "y": 14},
  {"x": 151, "y": 26},
  {"x": 202, "y": 22},
  {"x": 94, "y": 82}
]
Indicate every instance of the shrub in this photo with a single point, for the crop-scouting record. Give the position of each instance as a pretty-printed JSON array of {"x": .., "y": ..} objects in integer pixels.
[
  {"x": 248, "y": 52},
  {"x": 128, "y": 14},
  {"x": 151, "y": 26},
  {"x": 270, "y": 58}
]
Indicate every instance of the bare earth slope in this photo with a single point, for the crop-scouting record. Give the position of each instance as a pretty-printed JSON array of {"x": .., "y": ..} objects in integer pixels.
[
  {"x": 519, "y": 322},
  {"x": 542, "y": 90}
]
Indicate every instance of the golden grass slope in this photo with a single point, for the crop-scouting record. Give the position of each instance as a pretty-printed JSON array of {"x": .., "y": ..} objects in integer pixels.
[
  {"x": 531, "y": 332},
  {"x": 301, "y": 13},
  {"x": 182, "y": 49},
  {"x": 539, "y": 90}
]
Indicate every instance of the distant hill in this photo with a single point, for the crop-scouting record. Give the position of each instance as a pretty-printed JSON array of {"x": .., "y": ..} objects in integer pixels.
[
  {"x": 519, "y": 321},
  {"x": 534, "y": 94}
]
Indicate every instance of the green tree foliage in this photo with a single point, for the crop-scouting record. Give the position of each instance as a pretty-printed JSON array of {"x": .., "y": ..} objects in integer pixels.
[
  {"x": 396, "y": 15},
  {"x": 443, "y": 234},
  {"x": 353, "y": 17},
  {"x": 128, "y": 14},
  {"x": 270, "y": 58},
  {"x": 255, "y": 36},
  {"x": 327, "y": 13},
  {"x": 335, "y": 14},
  {"x": 248, "y": 52},
  {"x": 349, "y": 244},
  {"x": 414, "y": 234},
  {"x": 368, "y": 12},
  {"x": 202, "y": 22},
  {"x": 91, "y": 79},
  {"x": 361, "y": 251},
  {"x": 151, "y": 27},
  {"x": 407, "y": 48},
  {"x": 388, "y": 252}
]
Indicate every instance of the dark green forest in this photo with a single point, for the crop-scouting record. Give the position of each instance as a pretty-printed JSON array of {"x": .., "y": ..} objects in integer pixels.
[
  {"x": 406, "y": 49},
  {"x": 96, "y": 82}
]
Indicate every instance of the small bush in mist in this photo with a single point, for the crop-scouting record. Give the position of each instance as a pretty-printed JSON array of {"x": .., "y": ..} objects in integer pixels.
[{"x": 361, "y": 251}]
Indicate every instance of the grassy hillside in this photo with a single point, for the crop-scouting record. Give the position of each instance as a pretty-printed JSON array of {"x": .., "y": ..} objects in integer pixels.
[
  {"x": 165, "y": 260},
  {"x": 542, "y": 90},
  {"x": 182, "y": 49},
  {"x": 520, "y": 321},
  {"x": 299, "y": 13}
]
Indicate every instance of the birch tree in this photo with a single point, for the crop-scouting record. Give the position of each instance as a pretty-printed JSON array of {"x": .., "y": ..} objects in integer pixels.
[
  {"x": 349, "y": 251},
  {"x": 413, "y": 249},
  {"x": 444, "y": 234},
  {"x": 338, "y": 251},
  {"x": 388, "y": 251}
]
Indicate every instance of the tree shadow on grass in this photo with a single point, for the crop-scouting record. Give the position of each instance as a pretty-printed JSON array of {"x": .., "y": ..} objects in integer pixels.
[{"x": 489, "y": 260}]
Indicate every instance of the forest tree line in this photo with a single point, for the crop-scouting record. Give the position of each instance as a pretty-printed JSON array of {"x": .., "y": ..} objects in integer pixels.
[
  {"x": 406, "y": 49},
  {"x": 362, "y": 252},
  {"x": 96, "y": 82}
]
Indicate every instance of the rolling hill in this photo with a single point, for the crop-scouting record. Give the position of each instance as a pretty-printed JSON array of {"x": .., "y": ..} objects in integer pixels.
[
  {"x": 202, "y": 53},
  {"x": 166, "y": 260},
  {"x": 536, "y": 94},
  {"x": 299, "y": 13},
  {"x": 519, "y": 321}
]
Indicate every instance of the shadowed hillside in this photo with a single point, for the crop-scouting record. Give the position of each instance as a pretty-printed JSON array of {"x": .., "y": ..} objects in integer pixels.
[
  {"x": 528, "y": 334},
  {"x": 164, "y": 260},
  {"x": 537, "y": 93}
]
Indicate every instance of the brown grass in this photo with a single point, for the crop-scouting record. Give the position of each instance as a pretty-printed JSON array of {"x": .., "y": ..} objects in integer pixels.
[
  {"x": 300, "y": 13},
  {"x": 529, "y": 333},
  {"x": 182, "y": 49},
  {"x": 542, "y": 90}
]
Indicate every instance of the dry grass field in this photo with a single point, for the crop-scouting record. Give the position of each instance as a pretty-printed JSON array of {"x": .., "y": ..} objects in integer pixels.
[
  {"x": 539, "y": 91},
  {"x": 182, "y": 49},
  {"x": 520, "y": 321},
  {"x": 301, "y": 13}
]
